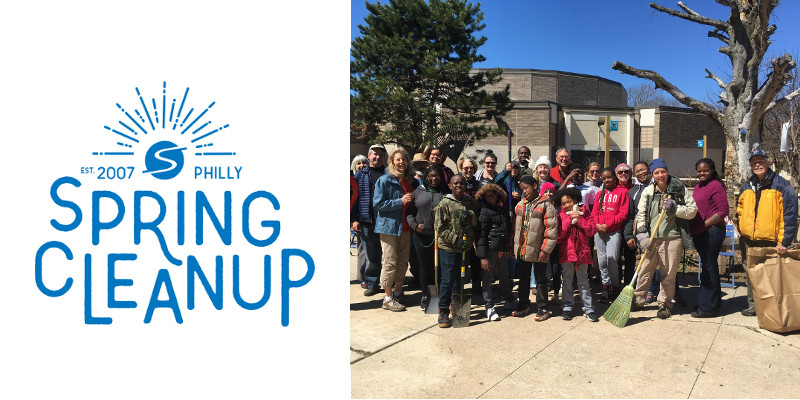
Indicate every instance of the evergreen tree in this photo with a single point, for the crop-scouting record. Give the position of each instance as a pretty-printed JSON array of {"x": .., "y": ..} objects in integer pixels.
[{"x": 409, "y": 74}]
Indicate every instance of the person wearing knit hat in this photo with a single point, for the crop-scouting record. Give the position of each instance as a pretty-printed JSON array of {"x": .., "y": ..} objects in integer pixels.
[
  {"x": 672, "y": 236},
  {"x": 625, "y": 175},
  {"x": 657, "y": 163},
  {"x": 547, "y": 186},
  {"x": 541, "y": 171}
]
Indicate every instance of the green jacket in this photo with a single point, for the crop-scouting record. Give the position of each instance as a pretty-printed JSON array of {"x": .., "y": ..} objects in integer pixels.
[
  {"x": 450, "y": 227},
  {"x": 675, "y": 224}
]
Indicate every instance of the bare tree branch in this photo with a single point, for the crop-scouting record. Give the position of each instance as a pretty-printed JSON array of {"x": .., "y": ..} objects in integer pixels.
[
  {"x": 720, "y": 36},
  {"x": 775, "y": 81},
  {"x": 719, "y": 81},
  {"x": 695, "y": 17},
  {"x": 788, "y": 97},
  {"x": 663, "y": 84}
]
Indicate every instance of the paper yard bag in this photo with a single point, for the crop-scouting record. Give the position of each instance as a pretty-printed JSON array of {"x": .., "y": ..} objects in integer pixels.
[{"x": 776, "y": 287}]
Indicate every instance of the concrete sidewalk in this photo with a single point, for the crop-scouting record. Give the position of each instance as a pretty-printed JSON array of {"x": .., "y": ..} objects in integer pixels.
[{"x": 405, "y": 355}]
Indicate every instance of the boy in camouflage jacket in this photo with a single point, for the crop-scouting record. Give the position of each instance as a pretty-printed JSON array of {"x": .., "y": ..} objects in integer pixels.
[{"x": 455, "y": 226}]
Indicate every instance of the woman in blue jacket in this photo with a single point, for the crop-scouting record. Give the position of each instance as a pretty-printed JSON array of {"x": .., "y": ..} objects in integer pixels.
[{"x": 393, "y": 193}]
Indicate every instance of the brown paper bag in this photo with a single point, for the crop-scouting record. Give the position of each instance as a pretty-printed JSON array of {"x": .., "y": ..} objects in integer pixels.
[{"x": 776, "y": 287}]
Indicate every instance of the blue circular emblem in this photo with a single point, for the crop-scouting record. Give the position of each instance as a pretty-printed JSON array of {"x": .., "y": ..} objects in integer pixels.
[{"x": 164, "y": 160}]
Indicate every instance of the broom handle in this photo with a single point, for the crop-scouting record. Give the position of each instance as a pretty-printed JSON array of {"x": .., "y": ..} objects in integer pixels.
[
  {"x": 436, "y": 257},
  {"x": 652, "y": 235}
]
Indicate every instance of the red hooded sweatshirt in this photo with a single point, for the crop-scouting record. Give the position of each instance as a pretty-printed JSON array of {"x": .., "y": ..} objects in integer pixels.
[
  {"x": 573, "y": 239},
  {"x": 611, "y": 208}
]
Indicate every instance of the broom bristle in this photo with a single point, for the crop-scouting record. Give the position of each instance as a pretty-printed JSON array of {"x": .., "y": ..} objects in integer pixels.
[{"x": 620, "y": 311}]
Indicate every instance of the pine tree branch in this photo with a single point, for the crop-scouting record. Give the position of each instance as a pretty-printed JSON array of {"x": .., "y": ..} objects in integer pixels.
[
  {"x": 663, "y": 84},
  {"x": 694, "y": 17}
]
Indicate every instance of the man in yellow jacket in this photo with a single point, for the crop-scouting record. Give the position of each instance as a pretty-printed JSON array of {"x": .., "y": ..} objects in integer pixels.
[{"x": 766, "y": 213}]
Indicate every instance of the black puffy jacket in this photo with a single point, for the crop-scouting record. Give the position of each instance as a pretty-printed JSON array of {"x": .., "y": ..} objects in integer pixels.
[{"x": 494, "y": 227}]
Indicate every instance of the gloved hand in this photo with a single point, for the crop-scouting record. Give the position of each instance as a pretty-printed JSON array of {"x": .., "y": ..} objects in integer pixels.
[
  {"x": 668, "y": 205},
  {"x": 462, "y": 244},
  {"x": 644, "y": 241}
]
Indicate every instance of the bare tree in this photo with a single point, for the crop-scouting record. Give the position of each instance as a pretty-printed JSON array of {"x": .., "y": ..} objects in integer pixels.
[
  {"x": 746, "y": 35},
  {"x": 646, "y": 95},
  {"x": 774, "y": 119}
]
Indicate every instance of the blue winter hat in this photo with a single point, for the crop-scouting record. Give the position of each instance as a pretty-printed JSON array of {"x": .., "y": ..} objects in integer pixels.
[
  {"x": 657, "y": 163},
  {"x": 757, "y": 152}
]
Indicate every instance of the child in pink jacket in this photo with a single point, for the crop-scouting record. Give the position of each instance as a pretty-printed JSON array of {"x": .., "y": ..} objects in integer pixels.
[
  {"x": 609, "y": 214},
  {"x": 575, "y": 255}
]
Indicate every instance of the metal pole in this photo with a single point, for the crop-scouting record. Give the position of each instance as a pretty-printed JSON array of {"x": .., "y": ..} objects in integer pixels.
[
  {"x": 608, "y": 141},
  {"x": 508, "y": 133},
  {"x": 705, "y": 144}
]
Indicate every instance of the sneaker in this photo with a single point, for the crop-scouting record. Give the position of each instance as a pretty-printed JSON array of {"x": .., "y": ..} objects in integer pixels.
[
  {"x": 566, "y": 315},
  {"x": 591, "y": 316},
  {"x": 749, "y": 311},
  {"x": 423, "y": 304},
  {"x": 404, "y": 300},
  {"x": 492, "y": 315},
  {"x": 663, "y": 312},
  {"x": 372, "y": 290},
  {"x": 541, "y": 317},
  {"x": 510, "y": 305},
  {"x": 703, "y": 314},
  {"x": 520, "y": 311},
  {"x": 651, "y": 298},
  {"x": 393, "y": 305},
  {"x": 444, "y": 318}
]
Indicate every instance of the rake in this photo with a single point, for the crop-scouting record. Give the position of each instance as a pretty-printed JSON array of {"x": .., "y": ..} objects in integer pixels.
[{"x": 620, "y": 311}]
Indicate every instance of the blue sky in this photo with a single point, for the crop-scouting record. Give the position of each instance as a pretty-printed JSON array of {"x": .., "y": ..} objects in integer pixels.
[{"x": 588, "y": 36}]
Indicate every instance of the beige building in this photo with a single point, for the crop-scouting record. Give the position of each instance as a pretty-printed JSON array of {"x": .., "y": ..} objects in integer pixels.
[{"x": 554, "y": 109}]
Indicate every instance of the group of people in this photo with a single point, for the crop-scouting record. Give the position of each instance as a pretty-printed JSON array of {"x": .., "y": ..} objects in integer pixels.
[{"x": 541, "y": 223}]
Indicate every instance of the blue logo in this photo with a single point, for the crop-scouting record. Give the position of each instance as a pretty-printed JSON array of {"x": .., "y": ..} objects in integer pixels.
[
  {"x": 144, "y": 128},
  {"x": 164, "y": 160}
]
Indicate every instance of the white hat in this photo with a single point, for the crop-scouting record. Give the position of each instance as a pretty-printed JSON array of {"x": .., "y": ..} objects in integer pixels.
[{"x": 542, "y": 161}]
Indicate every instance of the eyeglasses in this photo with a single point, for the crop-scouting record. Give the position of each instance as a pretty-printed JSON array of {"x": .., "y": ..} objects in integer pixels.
[
  {"x": 624, "y": 172},
  {"x": 469, "y": 168},
  {"x": 594, "y": 171}
]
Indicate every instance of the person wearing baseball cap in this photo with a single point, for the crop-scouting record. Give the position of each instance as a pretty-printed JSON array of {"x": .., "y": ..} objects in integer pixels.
[{"x": 766, "y": 213}]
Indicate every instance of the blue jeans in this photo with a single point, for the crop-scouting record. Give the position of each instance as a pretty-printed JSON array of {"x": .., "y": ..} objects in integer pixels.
[
  {"x": 708, "y": 244},
  {"x": 372, "y": 247},
  {"x": 450, "y": 284},
  {"x": 655, "y": 284}
]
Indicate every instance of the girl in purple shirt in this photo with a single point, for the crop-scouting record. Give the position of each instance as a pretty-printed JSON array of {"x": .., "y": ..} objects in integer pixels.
[{"x": 708, "y": 231}]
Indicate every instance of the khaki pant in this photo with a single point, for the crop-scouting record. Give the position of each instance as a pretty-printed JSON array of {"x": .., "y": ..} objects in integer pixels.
[
  {"x": 396, "y": 250},
  {"x": 664, "y": 255}
]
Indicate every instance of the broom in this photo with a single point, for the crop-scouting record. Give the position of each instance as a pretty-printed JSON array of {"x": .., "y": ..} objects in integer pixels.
[{"x": 620, "y": 311}]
